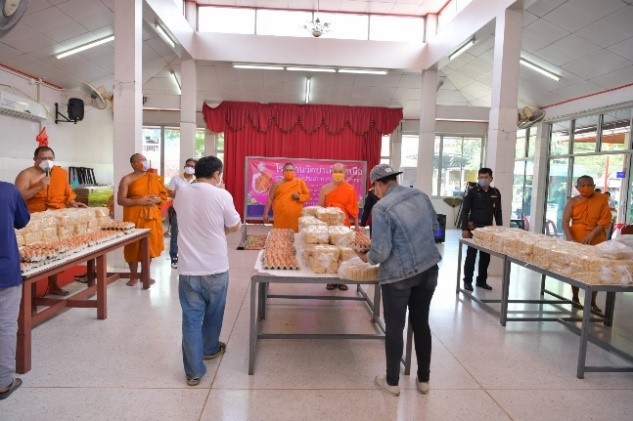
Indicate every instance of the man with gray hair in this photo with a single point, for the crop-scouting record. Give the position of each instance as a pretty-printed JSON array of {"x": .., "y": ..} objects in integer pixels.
[{"x": 403, "y": 242}]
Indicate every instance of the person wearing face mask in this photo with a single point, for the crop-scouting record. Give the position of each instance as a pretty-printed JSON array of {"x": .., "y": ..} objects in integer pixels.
[
  {"x": 142, "y": 193},
  {"x": 176, "y": 183},
  {"x": 408, "y": 271},
  {"x": 481, "y": 205},
  {"x": 45, "y": 186},
  {"x": 585, "y": 220},
  {"x": 340, "y": 194},
  {"x": 287, "y": 197}
]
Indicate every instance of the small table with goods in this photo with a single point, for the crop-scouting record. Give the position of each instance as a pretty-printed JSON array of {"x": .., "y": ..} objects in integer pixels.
[
  {"x": 553, "y": 258},
  {"x": 98, "y": 279}
]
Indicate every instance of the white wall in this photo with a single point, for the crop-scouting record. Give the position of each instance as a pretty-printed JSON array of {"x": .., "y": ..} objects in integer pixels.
[{"x": 86, "y": 144}]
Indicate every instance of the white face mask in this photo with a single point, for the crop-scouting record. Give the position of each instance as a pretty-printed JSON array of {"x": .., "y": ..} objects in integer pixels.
[
  {"x": 47, "y": 165},
  {"x": 190, "y": 171},
  {"x": 145, "y": 166}
]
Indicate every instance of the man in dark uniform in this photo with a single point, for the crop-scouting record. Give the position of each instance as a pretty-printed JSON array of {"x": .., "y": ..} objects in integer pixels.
[{"x": 481, "y": 204}]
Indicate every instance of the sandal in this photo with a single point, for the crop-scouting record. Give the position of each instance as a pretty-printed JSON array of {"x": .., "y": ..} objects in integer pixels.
[
  {"x": 330, "y": 286},
  {"x": 343, "y": 287},
  {"x": 193, "y": 381},
  {"x": 16, "y": 383},
  {"x": 596, "y": 309}
]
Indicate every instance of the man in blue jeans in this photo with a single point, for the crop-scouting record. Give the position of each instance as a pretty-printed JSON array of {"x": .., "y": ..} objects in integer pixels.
[
  {"x": 13, "y": 214},
  {"x": 403, "y": 242},
  {"x": 206, "y": 214}
]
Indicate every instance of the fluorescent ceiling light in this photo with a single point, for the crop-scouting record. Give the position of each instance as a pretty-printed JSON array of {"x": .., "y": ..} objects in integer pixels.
[
  {"x": 461, "y": 49},
  {"x": 176, "y": 83},
  {"x": 85, "y": 46},
  {"x": 311, "y": 69},
  {"x": 308, "y": 89},
  {"x": 164, "y": 35},
  {"x": 257, "y": 67},
  {"x": 539, "y": 69},
  {"x": 363, "y": 71}
]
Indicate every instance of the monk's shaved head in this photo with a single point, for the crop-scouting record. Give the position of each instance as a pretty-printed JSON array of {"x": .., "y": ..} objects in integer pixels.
[{"x": 338, "y": 167}]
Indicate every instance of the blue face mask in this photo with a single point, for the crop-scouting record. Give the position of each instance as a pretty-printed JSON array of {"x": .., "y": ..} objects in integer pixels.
[{"x": 484, "y": 182}]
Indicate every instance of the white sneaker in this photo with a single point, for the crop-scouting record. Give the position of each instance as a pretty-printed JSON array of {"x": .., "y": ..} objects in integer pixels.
[
  {"x": 381, "y": 382},
  {"x": 423, "y": 387}
]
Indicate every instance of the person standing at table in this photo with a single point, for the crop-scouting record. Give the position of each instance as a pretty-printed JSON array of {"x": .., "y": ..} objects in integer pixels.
[
  {"x": 585, "y": 220},
  {"x": 370, "y": 201},
  {"x": 45, "y": 186},
  {"x": 141, "y": 193},
  {"x": 207, "y": 213},
  {"x": 481, "y": 205},
  {"x": 13, "y": 215},
  {"x": 408, "y": 271},
  {"x": 174, "y": 184},
  {"x": 287, "y": 197},
  {"x": 340, "y": 194}
]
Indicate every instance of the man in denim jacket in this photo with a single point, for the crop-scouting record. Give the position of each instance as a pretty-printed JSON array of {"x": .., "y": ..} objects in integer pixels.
[{"x": 403, "y": 242}]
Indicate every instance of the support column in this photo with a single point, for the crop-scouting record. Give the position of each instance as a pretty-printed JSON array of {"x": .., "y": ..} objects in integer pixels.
[
  {"x": 426, "y": 144},
  {"x": 188, "y": 100},
  {"x": 395, "y": 148},
  {"x": 539, "y": 178},
  {"x": 128, "y": 83},
  {"x": 502, "y": 128}
]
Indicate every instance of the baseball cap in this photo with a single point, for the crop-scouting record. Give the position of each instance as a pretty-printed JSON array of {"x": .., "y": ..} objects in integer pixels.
[{"x": 381, "y": 171}]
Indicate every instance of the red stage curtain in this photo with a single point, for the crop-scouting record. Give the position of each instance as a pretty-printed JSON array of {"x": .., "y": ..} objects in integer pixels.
[{"x": 296, "y": 131}]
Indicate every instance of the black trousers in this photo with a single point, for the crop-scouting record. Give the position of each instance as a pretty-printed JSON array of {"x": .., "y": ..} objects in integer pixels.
[
  {"x": 415, "y": 293},
  {"x": 469, "y": 266}
]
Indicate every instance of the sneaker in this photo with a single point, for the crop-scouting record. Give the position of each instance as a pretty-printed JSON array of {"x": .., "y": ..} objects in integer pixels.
[
  {"x": 219, "y": 352},
  {"x": 423, "y": 387},
  {"x": 381, "y": 382},
  {"x": 193, "y": 381},
  {"x": 174, "y": 263},
  {"x": 468, "y": 287}
]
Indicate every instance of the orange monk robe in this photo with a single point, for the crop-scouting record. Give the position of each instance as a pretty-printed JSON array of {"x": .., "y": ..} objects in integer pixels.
[
  {"x": 587, "y": 214},
  {"x": 343, "y": 197},
  {"x": 57, "y": 195},
  {"x": 145, "y": 216},
  {"x": 287, "y": 210}
]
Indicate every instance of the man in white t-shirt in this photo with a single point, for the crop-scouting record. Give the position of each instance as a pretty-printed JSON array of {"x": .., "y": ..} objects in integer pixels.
[
  {"x": 176, "y": 183},
  {"x": 207, "y": 213}
]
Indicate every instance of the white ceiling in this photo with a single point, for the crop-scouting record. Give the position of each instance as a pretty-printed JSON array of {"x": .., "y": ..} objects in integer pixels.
[{"x": 590, "y": 42}]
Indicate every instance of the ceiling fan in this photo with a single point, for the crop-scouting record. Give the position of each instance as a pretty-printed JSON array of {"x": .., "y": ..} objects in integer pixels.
[{"x": 11, "y": 11}]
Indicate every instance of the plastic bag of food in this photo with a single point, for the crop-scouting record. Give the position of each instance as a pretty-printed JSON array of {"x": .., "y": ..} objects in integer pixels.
[{"x": 357, "y": 270}]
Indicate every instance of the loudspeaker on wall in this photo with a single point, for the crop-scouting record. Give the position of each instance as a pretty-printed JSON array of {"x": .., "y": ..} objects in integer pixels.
[{"x": 75, "y": 109}]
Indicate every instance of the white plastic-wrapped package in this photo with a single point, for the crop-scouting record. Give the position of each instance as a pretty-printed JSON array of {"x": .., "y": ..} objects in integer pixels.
[
  {"x": 323, "y": 263},
  {"x": 357, "y": 270},
  {"x": 614, "y": 249},
  {"x": 311, "y": 210},
  {"x": 340, "y": 235},
  {"x": 315, "y": 234},
  {"x": 331, "y": 216},
  {"x": 308, "y": 221}
]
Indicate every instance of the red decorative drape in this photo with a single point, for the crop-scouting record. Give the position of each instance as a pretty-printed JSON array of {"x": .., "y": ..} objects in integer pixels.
[{"x": 296, "y": 131}]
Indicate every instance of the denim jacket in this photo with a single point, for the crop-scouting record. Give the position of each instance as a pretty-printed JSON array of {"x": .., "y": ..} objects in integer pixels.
[{"x": 403, "y": 241}]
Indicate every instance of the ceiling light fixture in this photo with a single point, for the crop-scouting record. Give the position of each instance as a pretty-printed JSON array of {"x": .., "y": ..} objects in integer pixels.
[
  {"x": 315, "y": 26},
  {"x": 461, "y": 49},
  {"x": 164, "y": 35},
  {"x": 311, "y": 69},
  {"x": 257, "y": 67},
  {"x": 176, "y": 83},
  {"x": 308, "y": 89},
  {"x": 363, "y": 71},
  {"x": 85, "y": 47},
  {"x": 539, "y": 69}
]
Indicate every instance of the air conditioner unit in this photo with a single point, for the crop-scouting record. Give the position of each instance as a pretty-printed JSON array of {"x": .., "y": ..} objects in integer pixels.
[{"x": 20, "y": 107}]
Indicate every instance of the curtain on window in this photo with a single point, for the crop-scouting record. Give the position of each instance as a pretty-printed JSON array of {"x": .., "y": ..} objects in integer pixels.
[{"x": 296, "y": 131}]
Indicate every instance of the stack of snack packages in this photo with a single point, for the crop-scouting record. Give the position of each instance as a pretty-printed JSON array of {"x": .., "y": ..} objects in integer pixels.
[
  {"x": 324, "y": 243},
  {"x": 610, "y": 262},
  {"x": 52, "y": 234}
]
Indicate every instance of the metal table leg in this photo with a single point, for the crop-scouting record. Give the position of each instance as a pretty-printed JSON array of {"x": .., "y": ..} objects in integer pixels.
[
  {"x": 459, "y": 266},
  {"x": 252, "y": 343},
  {"x": 584, "y": 334},
  {"x": 505, "y": 291}
]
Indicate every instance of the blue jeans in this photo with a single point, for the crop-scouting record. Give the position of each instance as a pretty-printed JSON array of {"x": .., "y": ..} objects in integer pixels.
[
  {"x": 9, "y": 308},
  {"x": 416, "y": 293},
  {"x": 173, "y": 240},
  {"x": 202, "y": 299}
]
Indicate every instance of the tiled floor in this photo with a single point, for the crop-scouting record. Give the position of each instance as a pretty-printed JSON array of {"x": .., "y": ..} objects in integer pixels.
[{"x": 129, "y": 367}]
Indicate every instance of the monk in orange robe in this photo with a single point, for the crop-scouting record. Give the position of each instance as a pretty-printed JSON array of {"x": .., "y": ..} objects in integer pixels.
[
  {"x": 340, "y": 194},
  {"x": 262, "y": 180},
  {"x": 142, "y": 193},
  {"x": 590, "y": 219},
  {"x": 287, "y": 197},
  {"x": 45, "y": 186}
]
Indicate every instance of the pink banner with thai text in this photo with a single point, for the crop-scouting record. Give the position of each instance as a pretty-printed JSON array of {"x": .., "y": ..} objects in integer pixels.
[{"x": 261, "y": 172}]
